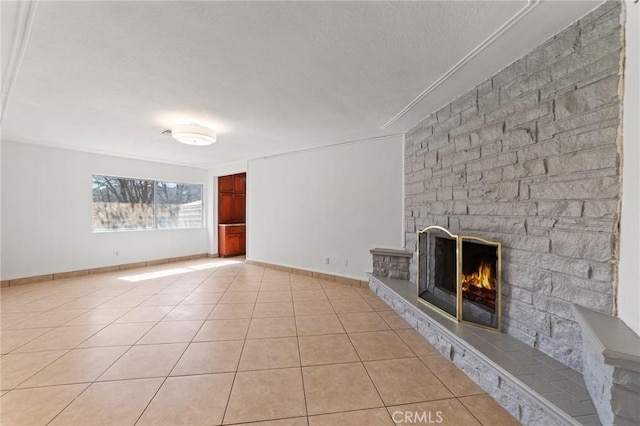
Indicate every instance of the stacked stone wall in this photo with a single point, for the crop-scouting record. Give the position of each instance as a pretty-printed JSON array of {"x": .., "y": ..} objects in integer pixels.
[{"x": 391, "y": 263}]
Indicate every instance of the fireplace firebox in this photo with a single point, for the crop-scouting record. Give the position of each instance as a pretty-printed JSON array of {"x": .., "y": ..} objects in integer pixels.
[{"x": 460, "y": 276}]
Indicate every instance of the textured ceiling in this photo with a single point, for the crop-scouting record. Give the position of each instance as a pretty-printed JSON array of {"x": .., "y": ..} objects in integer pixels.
[{"x": 271, "y": 77}]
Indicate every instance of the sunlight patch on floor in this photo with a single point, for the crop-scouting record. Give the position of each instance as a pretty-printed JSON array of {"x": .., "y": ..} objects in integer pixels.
[{"x": 155, "y": 274}]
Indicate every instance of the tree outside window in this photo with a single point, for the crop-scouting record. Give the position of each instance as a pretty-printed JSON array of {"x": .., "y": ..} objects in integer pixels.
[{"x": 133, "y": 204}]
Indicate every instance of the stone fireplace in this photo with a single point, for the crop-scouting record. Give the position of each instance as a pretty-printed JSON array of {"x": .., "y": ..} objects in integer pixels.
[{"x": 460, "y": 276}]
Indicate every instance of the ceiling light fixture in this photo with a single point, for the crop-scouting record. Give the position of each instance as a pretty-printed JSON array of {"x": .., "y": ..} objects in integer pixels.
[{"x": 193, "y": 134}]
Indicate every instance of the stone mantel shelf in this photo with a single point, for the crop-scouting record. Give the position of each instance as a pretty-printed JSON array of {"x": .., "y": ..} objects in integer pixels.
[
  {"x": 611, "y": 357},
  {"x": 620, "y": 345},
  {"x": 391, "y": 252}
]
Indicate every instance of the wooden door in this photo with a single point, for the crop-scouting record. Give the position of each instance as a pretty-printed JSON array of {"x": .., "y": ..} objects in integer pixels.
[
  {"x": 238, "y": 215},
  {"x": 225, "y": 208},
  {"x": 240, "y": 183},
  {"x": 225, "y": 184}
]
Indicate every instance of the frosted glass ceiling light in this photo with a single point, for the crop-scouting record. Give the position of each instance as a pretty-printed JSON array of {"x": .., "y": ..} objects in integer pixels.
[{"x": 193, "y": 134}]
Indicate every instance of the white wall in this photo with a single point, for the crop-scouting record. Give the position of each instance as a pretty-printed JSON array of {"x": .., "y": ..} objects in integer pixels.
[
  {"x": 46, "y": 213},
  {"x": 336, "y": 202},
  {"x": 629, "y": 269},
  {"x": 212, "y": 212},
  {"x": 1, "y": 207}
]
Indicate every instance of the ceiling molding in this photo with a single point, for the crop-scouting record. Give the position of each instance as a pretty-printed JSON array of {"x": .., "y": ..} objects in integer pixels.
[
  {"x": 333, "y": 145},
  {"x": 531, "y": 4},
  {"x": 109, "y": 153},
  {"x": 25, "y": 16}
]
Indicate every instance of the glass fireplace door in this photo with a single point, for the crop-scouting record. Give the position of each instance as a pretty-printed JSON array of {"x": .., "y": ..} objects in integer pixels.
[{"x": 460, "y": 276}]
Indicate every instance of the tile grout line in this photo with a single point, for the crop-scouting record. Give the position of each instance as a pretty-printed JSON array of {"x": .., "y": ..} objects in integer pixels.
[
  {"x": 304, "y": 391},
  {"x": 235, "y": 373},
  {"x": 99, "y": 375},
  {"x": 170, "y": 371},
  {"x": 367, "y": 373},
  {"x": 16, "y": 387},
  {"x": 27, "y": 342},
  {"x": 103, "y": 371},
  {"x": 469, "y": 411},
  {"x": 456, "y": 397},
  {"x": 69, "y": 404},
  {"x": 415, "y": 356},
  {"x": 436, "y": 376},
  {"x": 13, "y": 352},
  {"x": 179, "y": 358}
]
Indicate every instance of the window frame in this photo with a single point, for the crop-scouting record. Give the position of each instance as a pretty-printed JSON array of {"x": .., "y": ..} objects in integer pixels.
[{"x": 154, "y": 219}]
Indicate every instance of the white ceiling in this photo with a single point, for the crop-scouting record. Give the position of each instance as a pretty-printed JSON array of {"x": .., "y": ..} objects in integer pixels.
[{"x": 271, "y": 77}]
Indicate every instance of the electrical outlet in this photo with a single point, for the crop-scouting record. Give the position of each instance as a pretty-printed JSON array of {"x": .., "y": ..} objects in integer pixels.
[
  {"x": 115, "y": 254},
  {"x": 326, "y": 260}
]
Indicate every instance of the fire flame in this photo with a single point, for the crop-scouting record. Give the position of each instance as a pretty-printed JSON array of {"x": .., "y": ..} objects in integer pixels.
[{"x": 480, "y": 278}]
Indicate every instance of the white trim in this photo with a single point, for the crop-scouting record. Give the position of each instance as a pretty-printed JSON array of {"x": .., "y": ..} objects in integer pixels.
[
  {"x": 531, "y": 4},
  {"x": 26, "y": 14},
  {"x": 335, "y": 145},
  {"x": 403, "y": 209},
  {"x": 109, "y": 153}
]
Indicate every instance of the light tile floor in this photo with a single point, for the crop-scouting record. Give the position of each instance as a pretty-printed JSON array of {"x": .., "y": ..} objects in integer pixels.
[{"x": 216, "y": 341}]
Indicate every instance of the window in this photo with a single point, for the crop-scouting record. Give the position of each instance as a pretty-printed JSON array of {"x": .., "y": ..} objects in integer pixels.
[
  {"x": 178, "y": 205},
  {"x": 120, "y": 203},
  {"x": 133, "y": 204}
]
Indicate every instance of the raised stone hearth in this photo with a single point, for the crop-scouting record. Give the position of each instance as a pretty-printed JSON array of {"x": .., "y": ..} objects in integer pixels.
[{"x": 530, "y": 385}]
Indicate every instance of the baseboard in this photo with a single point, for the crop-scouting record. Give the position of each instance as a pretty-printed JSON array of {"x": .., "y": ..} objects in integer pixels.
[
  {"x": 105, "y": 269},
  {"x": 320, "y": 275}
]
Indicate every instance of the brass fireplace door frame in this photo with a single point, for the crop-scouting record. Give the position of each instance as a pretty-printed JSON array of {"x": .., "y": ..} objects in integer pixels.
[{"x": 459, "y": 299}]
